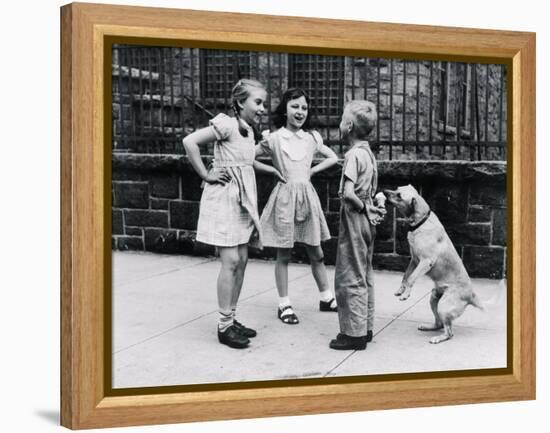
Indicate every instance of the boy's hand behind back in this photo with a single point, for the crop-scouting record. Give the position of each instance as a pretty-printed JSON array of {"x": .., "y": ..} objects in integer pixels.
[{"x": 375, "y": 214}]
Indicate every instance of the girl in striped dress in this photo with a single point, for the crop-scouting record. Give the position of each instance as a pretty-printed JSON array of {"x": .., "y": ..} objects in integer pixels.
[
  {"x": 293, "y": 212},
  {"x": 228, "y": 212}
]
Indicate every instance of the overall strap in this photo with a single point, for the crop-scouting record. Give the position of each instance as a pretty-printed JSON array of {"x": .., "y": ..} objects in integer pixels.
[{"x": 374, "y": 180}]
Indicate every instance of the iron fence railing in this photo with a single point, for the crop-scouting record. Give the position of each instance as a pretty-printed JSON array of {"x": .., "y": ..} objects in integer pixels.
[{"x": 426, "y": 109}]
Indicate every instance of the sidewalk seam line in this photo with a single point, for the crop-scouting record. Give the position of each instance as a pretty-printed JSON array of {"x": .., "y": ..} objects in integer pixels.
[
  {"x": 195, "y": 319},
  {"x": 384, "y": 327},
  {"x": 164, "y": 273}
]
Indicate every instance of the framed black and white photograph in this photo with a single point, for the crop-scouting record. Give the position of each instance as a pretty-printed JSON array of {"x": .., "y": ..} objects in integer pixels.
[
  {"x": 441, "y": 128},
  {"x": 292, "y": 220}
]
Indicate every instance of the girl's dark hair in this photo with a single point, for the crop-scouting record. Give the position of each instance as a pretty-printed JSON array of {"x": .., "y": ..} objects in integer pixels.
[
  {"x": 240, "y": 92},
  {"x": 279, "y": 115}
]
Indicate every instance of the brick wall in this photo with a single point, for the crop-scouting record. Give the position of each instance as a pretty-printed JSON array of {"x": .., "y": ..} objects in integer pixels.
[{"x": 156, "y": 202}]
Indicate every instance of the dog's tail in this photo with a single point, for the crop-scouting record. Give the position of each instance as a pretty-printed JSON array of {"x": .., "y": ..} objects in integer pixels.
[
  {"x": 474, "y": 300},
  {"x": 492, "y": 301}
]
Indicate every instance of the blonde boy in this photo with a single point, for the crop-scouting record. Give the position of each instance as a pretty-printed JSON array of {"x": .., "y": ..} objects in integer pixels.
[{"x": 354, "y": 286}]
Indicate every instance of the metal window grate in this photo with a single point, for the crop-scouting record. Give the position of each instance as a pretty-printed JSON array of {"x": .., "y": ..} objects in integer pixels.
[
  {"x": 221, "y": 69},
  {"x": 453, "y": 101},
  {"x": 426, "y": 109},
  {"x": 322, "y": 78}
]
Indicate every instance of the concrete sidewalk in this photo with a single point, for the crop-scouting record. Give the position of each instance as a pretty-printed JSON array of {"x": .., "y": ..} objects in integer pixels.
[{"x": 165, "y": 314}]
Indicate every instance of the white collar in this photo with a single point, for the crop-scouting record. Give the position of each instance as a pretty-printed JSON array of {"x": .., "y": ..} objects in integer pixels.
[{"x": 286, "y": 133}]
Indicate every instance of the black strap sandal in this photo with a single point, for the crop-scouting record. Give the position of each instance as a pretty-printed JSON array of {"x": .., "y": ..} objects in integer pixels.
[
  {"x": 289, "y": 318},
  {"x": 328, "y": 305}
]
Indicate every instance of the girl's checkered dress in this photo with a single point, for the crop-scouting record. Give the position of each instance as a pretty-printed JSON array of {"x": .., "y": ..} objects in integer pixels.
[
  {"x": 229, "y": 213},
  {"x": 293, "y": 212}
]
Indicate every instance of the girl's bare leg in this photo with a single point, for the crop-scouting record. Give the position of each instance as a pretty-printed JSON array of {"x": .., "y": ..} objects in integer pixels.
[
  {"x": 228, "y": 280},
  {"x": 242, "y": 251},
  {"x": 281, "y": 271},
  {"x": 318, "y": 269},
  {"x": 285, "y": 312},
  {"x": 228, "y": 277}
]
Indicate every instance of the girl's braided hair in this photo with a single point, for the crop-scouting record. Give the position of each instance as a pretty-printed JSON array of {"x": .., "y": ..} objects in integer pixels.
[{"x": 239, "y": 94}]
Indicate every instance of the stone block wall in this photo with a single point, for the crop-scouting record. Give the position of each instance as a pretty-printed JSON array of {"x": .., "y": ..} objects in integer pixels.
[{"x": 156, "y": 198}]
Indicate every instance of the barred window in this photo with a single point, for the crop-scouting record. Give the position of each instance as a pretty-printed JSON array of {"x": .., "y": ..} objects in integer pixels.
[
  {"x": 220, "y": 70},
  {"x": 322, "y": 77},
  {"x": 465, "y": 97},
  {"x": 454, "y": 98}
]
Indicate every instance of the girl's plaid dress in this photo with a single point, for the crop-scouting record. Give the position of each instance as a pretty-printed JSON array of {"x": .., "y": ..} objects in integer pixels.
[
  {"x": 293, "y": 212},
  {"x": 229, "y": 213}
]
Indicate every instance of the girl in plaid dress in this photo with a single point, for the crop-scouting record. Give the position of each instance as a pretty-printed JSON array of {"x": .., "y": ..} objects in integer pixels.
[
  {"x": 293, "y": 212},
  {"x": 228, "y": 212}
]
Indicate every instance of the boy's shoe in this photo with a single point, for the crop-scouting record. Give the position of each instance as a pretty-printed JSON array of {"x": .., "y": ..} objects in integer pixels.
[
  {"x": 346, "y": 342},
  {"x": 327, "y": 306},
  {"x": 243, "y": 330},
  {"x": 232, "y": 338},
  {"x": 368, "y": 337}
]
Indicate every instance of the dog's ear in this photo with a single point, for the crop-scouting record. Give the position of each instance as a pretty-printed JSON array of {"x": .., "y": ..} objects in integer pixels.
[{"x": 412, "y": 208}]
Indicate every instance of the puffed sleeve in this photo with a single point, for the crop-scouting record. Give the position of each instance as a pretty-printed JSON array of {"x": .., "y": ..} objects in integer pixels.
[
  {"x": 318, "y": 141},
  {"x": 265, "y": 146},
  {"x": 222, "y": 125}
]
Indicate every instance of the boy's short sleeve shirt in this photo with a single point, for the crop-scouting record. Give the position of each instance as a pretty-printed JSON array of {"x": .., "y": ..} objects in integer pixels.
[{"x": 358, "y": 167}]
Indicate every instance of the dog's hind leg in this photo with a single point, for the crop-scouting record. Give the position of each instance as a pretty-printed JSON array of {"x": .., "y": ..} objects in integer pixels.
[
  {"x": 434, "y": 301},
  {"x": 447, "y": 334},
  {"x": 449, "y": 308}
]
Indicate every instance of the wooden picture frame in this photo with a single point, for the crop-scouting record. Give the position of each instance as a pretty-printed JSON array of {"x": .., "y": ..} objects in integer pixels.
[{"x": 86, "y": 401}]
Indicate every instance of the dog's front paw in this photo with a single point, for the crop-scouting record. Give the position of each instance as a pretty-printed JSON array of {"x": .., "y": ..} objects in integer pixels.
[
  {"x": 405, "y": 295},
  {"x": 399, "y": 291}
]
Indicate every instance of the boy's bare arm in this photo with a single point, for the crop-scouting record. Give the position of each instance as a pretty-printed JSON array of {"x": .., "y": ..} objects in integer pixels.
[
  {"x": 350, "y": 196},
  {"x": 375, "y": 214}
]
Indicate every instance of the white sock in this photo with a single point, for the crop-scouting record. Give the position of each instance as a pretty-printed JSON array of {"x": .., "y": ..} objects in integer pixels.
[
  {"x": 326, "y": 295},
  {"x": 284, "y": 301},
  {"x": 225, "y": 320}
]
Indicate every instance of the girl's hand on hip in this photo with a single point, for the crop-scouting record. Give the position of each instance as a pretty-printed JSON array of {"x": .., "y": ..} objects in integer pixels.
[
  {"x": 218, "y": 176},
  {"x": 278, "y": 175}
]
